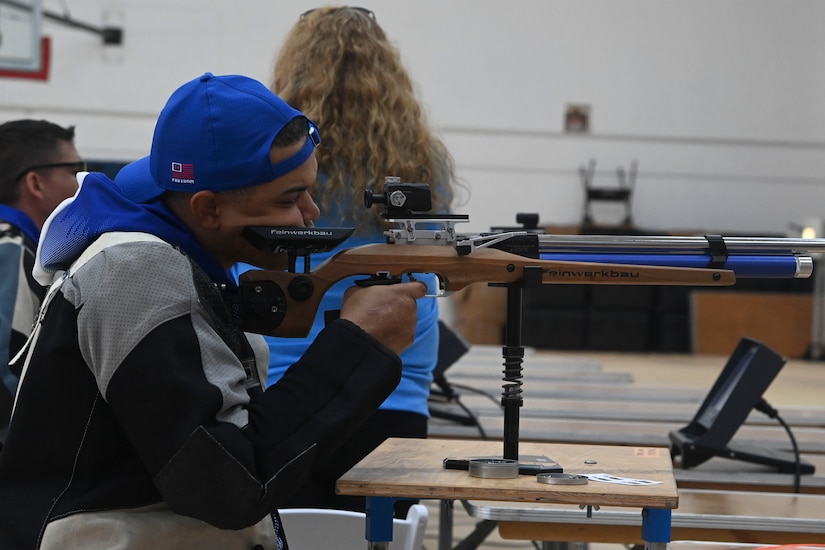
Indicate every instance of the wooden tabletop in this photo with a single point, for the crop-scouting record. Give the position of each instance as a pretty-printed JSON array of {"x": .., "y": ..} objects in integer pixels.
[{"x": 413, "y": 468}]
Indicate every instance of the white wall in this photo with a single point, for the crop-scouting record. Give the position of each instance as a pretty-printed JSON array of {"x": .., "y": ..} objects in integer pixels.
[{"x": 721, "y": 103}]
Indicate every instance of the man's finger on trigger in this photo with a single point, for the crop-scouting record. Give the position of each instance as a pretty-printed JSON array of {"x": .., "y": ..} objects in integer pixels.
[{"x": 418, "y": 289}]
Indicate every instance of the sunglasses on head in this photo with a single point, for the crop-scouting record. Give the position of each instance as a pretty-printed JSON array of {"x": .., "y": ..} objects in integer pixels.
[{"x": 365, "y": 11}]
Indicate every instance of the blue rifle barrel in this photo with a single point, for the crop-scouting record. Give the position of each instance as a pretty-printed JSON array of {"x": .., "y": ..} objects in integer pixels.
[
  {"x": 744, "y": 266},
  {"x": 676, "y": 244}
]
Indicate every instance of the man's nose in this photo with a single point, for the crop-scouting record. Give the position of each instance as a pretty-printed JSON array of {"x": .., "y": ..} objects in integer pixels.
[{"x": 310, "y": 210}]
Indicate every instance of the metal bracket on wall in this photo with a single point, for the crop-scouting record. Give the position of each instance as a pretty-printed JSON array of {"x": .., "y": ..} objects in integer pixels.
[{"x": 112, "y": 36}]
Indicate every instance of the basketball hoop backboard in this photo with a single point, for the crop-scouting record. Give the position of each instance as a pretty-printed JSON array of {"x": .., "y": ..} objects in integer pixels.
[{"x": 20, "y": 44}]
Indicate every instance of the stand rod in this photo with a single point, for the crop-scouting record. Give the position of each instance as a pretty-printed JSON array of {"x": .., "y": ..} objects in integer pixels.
[{"x": 513, "y": 353}]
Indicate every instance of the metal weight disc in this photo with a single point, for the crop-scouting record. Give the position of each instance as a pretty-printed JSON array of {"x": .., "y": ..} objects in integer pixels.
[
  {"x": 561, "y": 479},
  {"x": 496, "y": 468}
]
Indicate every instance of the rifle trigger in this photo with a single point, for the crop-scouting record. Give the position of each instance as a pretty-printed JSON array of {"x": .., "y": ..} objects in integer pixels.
[
  {"x": 440, "y": 290},
  {"x": 380, "y": 278}
]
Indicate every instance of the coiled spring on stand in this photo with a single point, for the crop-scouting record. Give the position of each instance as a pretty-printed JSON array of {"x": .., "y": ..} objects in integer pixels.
[{"x": 512, "y": 374}]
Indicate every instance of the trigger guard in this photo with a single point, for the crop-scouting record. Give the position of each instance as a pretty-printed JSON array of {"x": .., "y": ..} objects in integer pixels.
[{"x": 377, "y": 282}]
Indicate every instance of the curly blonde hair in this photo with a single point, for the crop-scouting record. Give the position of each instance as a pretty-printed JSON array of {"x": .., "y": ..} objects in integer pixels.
[{"x": 338, "y": 67}]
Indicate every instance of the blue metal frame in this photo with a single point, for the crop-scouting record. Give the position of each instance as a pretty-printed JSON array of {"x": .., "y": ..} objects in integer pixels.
[
  {"x": 379, "y": 519},
  {"x": 656, "y": 523}
]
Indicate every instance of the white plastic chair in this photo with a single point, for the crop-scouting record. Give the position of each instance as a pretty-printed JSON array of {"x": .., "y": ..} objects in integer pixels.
[{"x": 320, "y": 529}]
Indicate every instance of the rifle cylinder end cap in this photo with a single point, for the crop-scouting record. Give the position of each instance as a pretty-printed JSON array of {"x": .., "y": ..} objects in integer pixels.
[{"x": 494, "y": 468}]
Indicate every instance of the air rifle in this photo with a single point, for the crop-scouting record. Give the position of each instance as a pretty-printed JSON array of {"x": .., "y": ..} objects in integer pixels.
[{"x": 285, "y": 303}]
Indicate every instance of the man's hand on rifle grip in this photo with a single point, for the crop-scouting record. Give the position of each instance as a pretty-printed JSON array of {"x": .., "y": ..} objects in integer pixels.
[{"x": 387, "y": 312}]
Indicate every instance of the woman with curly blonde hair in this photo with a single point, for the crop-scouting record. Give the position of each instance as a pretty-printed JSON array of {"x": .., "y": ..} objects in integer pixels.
[{"x": 338, "y": 67}]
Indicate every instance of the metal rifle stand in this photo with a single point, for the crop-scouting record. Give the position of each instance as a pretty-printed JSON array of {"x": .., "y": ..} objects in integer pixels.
[
  {"x": 513, "y": 354},
  {"x": 511, "y": 401}
]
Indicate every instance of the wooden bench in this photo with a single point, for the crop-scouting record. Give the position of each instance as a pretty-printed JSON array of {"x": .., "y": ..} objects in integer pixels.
[
  {"x": 620, "y": 431},
  {"x": 644, "y": 411},
  {"x": 547, "y": 377},
  {"x": 720, "y": 474},
  {"x": 575, "y": 400},
  {"x": 721, "y": 516}
]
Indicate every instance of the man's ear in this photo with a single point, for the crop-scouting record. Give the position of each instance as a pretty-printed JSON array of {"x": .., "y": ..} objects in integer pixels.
[
  {"x": 32, "y": 185},
  {"x": 205, "y": 209}
]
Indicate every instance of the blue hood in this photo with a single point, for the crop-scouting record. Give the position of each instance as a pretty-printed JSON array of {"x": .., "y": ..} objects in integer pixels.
[{"x": 99, "y": 207}]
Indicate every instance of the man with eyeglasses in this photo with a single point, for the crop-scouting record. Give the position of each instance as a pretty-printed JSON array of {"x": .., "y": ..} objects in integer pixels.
[{"x": 38, "y": 164}]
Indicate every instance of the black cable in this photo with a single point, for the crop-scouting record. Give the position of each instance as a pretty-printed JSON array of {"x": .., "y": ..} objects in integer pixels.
[
  {"x": 476, "y": 421},
  {"x": 765, "y": 408},
  {"x": 453, "y": 397},
  {"x": 479, "y": 392}
]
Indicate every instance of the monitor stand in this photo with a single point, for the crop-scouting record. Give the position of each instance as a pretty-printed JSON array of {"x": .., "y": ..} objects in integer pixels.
[{"x": 694, "y": 453}]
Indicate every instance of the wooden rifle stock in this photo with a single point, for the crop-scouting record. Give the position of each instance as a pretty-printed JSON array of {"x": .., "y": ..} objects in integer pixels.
[{"x": 280, "y": 303}]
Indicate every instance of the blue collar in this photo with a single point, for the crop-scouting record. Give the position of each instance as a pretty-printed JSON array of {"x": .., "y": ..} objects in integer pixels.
[
  {"x": 98, "y": 208},
  {"x": 21, "y": 220}
]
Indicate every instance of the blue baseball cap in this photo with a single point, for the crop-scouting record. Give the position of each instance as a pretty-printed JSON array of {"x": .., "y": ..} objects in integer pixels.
[{"x": 215, "y": 134}]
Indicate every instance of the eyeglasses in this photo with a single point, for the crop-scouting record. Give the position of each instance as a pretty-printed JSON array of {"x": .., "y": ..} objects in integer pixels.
[
  {"x": 75, "y": 167},
  {"x": 365, "y": 11}
]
